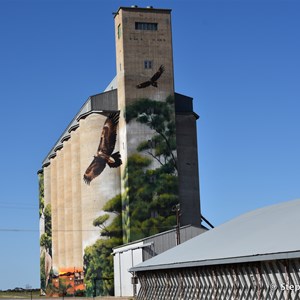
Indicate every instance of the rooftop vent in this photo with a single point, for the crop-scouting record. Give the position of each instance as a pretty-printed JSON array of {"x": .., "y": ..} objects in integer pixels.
[
  {"x": 149, "y": 6},
  {"x": 134, "y": 6}
]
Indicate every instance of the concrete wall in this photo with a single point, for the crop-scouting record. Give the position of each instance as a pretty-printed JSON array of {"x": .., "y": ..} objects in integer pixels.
[
  {"x": 188, "y": 173},
  {"x": 74, "y": 203},
  {"x": 133, "y": 48}
]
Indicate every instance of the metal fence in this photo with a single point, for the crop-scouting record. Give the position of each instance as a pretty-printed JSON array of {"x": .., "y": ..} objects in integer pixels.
[
  {"x": 274, "y": 280},
  {"x": 67, "y": 298}
]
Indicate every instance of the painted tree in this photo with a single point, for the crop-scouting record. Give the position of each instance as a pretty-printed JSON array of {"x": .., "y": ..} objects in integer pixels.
[
  {"x": 145, "y": 207},
  {"x": 46, "y": 238},
  {"x": 98, "y": 261},
  {"x": 151, "y": 193},
  {"x": 159, "y": 116}
]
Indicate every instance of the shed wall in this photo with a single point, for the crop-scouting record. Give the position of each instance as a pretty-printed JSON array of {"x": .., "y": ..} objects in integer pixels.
[
  {"x": 130, "y": 255},
  {"x": 277, "y": 279}
]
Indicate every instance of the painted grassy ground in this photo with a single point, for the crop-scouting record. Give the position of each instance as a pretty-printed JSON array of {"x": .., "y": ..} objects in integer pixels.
[
  {"x": 36, "y": 295},
  {"x": 19, "y": 294}
]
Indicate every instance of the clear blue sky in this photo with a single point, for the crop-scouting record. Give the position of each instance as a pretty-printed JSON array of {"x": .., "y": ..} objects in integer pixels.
[{"x": 239, "y": 60}]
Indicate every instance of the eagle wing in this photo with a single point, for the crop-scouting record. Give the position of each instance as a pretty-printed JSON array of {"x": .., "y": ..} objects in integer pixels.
[
  {"x": 157, "y": 74},
  {"x": 143, "y": 84},
  {"x": 94, "y": 169},
  {"x": 109, "y": 134}
]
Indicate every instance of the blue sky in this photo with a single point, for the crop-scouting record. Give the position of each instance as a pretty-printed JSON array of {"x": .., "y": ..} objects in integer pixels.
[{"x": 239, "y": 60}]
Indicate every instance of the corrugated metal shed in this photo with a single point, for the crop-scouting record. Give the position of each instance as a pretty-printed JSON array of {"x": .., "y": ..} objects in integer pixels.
[
  {"x": 131, "y": 254},
  {"x": 164, "y": 241},
  {"x": 264, "y": 234}
]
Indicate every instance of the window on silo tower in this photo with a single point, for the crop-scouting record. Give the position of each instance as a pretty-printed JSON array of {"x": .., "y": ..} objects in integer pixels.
[
  {"x": 145, "y": 26},
  {"x": 148, "y": 64}
]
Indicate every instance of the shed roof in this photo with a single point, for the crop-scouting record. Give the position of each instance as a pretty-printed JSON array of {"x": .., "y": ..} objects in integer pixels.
[
  {"x": 264, "y": 234},
  {"x": 106, "y": 101}
]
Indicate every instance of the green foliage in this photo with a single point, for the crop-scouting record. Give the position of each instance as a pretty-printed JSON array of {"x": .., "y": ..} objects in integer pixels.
[
  {"x": 145, "y": 207},
  {"x": 152, "y": 194},
  {"x": 98, "y": 261},
  {"x": 114, "y": 229},
  {"x": 98, "y": 267},
  {"x": 46, "y": 241},
  {"x": 51, "y": 289},
  {"x": 136, "y": 162},
  {"x": 79, "y": 293},
  {"x": 99, "y": 222},
  {"x": 42, "y": 272},
  {"x": 160, "y": 117},
  {"x": 18, "y": 293},
  {"x": 47, "y": 215},
  {"x": 142, "y": 108},
  {"x": 45, "y": 211},
  {"x": 46, "y": 238},
  {"x": 41, "y": 193},
  {"x": 114, "y": 205},
  {"x": 63, "y": 287}
]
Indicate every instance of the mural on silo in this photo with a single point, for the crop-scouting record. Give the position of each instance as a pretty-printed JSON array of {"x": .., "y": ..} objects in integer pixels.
[
  {"x": 82, "y": 175},
  {"x": 98, "y": 262},
  {"x": 90, "y": 206},
  {"x": 111, "y": 178},
  {"x": 105, "y": 155},
  {"x": 45, "y": 236},
  {"x": 152, "y": 182},
  {"x": 153, "y": 80},
  {"x": 150, "y": 186}
]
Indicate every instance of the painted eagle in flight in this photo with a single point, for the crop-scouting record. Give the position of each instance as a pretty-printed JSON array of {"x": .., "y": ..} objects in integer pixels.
[
  {"x": 105, "y": 149},
  {"x": 153, "y": 79}
]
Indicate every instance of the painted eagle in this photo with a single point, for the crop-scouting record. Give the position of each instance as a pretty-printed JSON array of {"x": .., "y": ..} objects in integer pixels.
[
  {"x": 105, "y": 149},
  {"x": 153, "y": 79}
]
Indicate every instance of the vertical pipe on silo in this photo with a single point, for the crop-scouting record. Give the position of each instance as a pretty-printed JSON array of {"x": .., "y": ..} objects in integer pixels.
[
  {"x": 61, "y": 208},
  {"x": 76, "y": 199},
  {"x": 89, "y": 141},
  {"x": 68, "y": 209},
  {"x": 54, "y": 209},
  {"x": 47, "y": 185}
]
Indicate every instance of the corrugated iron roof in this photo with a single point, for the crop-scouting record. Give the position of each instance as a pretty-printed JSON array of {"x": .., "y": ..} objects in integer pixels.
[
  {"x": 106, "y": 101},
  {"x": 268, "y": 233}
]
